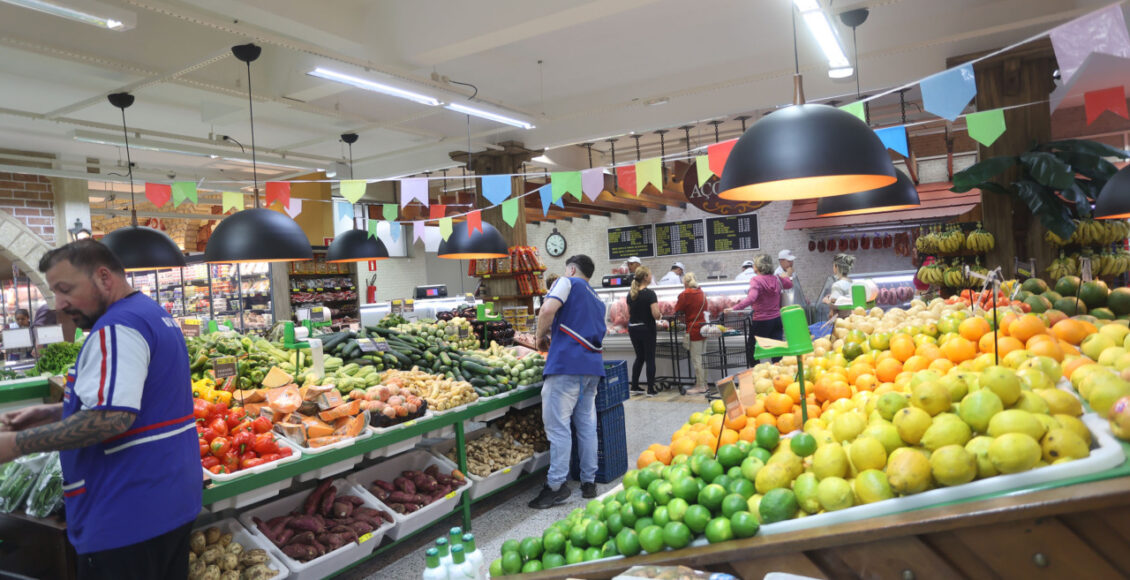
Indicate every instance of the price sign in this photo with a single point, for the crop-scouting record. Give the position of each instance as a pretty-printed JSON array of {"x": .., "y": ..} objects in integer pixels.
[
  {"x": 190, "y": 327},
  {"x": 371, "y": 345},
  {"x": 17, "y": 338},
  {"x": 48, "y": 334},
  {"x": 505, "y": 471},
  {"x": 320, "y": 314},
  {"x": 397, "y": 307},
  {"x": 449, "y": 496},
  {"x": 224, "y": 367},
  {"x": 302, "y": 314},
  {"x": 1085, "y": 268},
  {"x": 729, "y": 393},
  {"x": 464, "y": 332},
  {"x": 365, "y": 538}
]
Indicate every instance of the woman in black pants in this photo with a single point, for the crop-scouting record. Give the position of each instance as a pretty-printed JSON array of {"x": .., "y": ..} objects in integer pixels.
[{"x": 643, "y": 311}]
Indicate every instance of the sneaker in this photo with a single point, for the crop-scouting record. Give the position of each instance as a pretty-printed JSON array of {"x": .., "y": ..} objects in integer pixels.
[
  {"x": 652, "y": 392},
  {"x": 549, "y": 498},
  {"x": 588, "y": 490}
]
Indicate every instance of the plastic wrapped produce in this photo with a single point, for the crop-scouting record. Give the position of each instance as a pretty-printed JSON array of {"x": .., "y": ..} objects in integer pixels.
[
  {"x": 17, "y": 486},
  {"x": 47, "y": 494}
]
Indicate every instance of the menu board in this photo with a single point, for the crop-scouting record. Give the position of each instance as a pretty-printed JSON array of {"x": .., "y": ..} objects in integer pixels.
[
  {"x": 674, "y": 238},
  {"x": 724, "y": 234},
  {"x": 625, "y": 242}
]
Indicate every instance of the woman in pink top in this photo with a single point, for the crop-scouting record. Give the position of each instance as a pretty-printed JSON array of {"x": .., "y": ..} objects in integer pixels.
[{"x": 765, "y": 298}]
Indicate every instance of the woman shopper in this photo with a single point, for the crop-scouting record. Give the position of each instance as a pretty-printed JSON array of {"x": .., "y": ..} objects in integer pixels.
[
  {"x": 765, "y": 298},
  {"x": 643, "y": 311},
  {"x": 692, "y": 303},
  {"x": 841, "y": 288}
]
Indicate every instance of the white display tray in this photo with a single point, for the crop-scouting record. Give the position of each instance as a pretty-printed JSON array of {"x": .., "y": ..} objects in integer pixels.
[
  {"x": 250, "y": 542},
  {"x": 494, "y": 481},
  {"x": 399, "y": 447},
  {"x": 333, "y": 468},
  {"x": 390, "y": 469},
  {"x": 260, "y": 493}
]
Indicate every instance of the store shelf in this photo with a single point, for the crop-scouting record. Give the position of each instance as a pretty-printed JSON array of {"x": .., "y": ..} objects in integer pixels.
[
  {"x": 27, "y": 389},
  {"x": 337, "y": 275},
  {"x": 510, "y": 275},
  {"x": 326, "y": 289}
]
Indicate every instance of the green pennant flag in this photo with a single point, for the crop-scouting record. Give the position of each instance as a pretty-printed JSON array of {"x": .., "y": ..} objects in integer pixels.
[
  {"x": 390, "y": 212},
  {"x": 373, "y": 228},
  {"x": 510, "y": 211},
  {"x": 649, "y": 171},
  {"x": 566, "y": 182},
  {"x": 182, "y": 191},
  {"x": 232, "y": 200},
  {"x": 353, "y": 189},
  {"x": 445, "y": 228},
  {"x": 702, "y": 167},
  {"x": 985, "y": 127},
  {"x": 856, "y": 109}
]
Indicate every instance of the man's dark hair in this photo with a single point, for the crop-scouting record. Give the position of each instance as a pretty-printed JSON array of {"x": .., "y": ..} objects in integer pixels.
[
  {"x": 584, "y": 264},
  {"x": 23, "y": 311},
  {"x": 86, "y": 255}
]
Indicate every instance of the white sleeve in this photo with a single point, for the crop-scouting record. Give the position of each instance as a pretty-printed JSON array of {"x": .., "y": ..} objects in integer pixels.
[
  {"x": 560, "y": 290},
  {"x": 111, "y": 371}
]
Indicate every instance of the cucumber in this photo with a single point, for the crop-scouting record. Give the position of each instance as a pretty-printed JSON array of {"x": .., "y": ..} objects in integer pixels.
[{"x": 474, "y": 367}]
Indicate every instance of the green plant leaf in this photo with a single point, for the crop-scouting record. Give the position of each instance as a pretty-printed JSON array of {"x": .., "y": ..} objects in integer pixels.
[
  {"x": 1048, "y": 170},
  {"x": 1091, "y": 166},
  {"x": 1078, "y": 193},
  {"x": 1046, "y": 206},
  {"x": 994, "y": 187},
  {"x": 1084, "y": 146},
  {"x": 981, "y": 172}
]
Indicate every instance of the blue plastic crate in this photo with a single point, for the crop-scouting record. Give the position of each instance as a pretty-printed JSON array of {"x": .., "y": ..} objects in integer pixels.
[
  {"x": 613, "y": 388},
  {"x": 611, "y": 448}
]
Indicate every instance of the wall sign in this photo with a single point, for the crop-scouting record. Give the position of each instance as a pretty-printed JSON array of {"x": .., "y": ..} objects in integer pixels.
[
  {"x": 705, "y": 197},
  {"x": 725, "y": 234},
  {"x": 675, "y": 238},
  {"x": 628, "y": 241}
]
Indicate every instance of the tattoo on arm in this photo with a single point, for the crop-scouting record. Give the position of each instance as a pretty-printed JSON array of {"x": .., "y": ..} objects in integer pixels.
[{"x": 79, "y": 430}]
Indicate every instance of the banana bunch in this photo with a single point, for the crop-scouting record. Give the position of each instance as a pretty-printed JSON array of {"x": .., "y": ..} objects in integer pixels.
[
  {"x": 980, "y": 241},
  {"x": 1051, "y": 238},
  {"x": 952, "y": 241},
  {"x": 978, "y": 269},
  {"x": 954, "y": 276},
  {"x": 1063, "y": 266},
  {"x": 1110, "y": 263},
  {"x": 1116, "y": 230},
  {"x": 932, "y": 274},
  {"x": 927, "y": 243},
  {"x": 1099, "y": 233}
]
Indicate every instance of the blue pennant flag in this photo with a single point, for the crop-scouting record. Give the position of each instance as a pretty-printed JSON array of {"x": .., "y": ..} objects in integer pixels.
[
  {"x": 946, "y": 93},
  {"x": 894, "y": 138},
  {"x": 546, "y": 194},
  {"x": 496, "y": 188}
]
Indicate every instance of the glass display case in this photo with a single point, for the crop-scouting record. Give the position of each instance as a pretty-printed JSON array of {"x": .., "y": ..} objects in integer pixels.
[
  {"x": 412, "y": 309},
  {"x": 896, "y": 289},
  {"x": 719, "y": 297},
  {"x": 255, "y": 295},
  {"x": 319, "y": 283},
  {"x": 239, "y": 293},
  {"x": 170, "y": 291}
]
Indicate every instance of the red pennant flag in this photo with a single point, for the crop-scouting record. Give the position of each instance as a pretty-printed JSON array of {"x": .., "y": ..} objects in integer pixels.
[
  {"x": 626, "y": 175},
  {"x": 436, "y": 211},
  {"x": 158, "y": 194},
  {"x": 718, "y": 153},
  {"x": 1112, "y": 99},
  {"x": 278, "y": 191},
  {"x": 474, "y": 223}
]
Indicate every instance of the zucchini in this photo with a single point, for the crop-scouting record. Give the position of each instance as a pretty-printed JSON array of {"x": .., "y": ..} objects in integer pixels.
[{"x": 474, "y": 367}]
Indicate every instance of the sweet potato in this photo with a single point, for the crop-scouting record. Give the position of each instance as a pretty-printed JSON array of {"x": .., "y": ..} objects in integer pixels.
[
  {"x": 361, "y": 527},
  {"x": 387, "y": 516},
  {"x": 311, "y": 504},
  {"x": 356, "y": 501},
  {"x": 283, "y": 537},
  {"x": 302, "y": 538},
  {"x": 404, "y": 484},
  {"x": 426, "y": 483},
  {"x": 384, "y": 485},
  {"x": 379, "y": 493},
  {"x": 402, "y": 497},
  {"x": 327, "y": 501},
  {"x": 305, "y": 523},
  {"x": 341, "y": 509},
  {"x": 300, "y": 552}
]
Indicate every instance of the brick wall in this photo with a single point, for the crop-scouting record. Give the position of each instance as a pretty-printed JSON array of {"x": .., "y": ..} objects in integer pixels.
[{"x": 29, "y": 199}]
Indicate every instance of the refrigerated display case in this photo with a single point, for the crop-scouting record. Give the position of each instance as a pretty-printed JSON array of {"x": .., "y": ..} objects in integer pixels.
[
  {"x": 319, "y": 283},
  {"x": 898, "y": 286},
  {"x": 239, "y": 293},
  {"x": 255, "y": 296},
  {"x": 412, "y": 309}
]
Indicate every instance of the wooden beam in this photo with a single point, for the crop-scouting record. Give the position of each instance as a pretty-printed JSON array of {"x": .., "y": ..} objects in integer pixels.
[{"x": 570, "y": 205}]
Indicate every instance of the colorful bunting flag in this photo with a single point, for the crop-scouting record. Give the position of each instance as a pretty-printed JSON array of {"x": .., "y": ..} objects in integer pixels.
[
  {"x": 278, "y": 191},
  {"x": 626, "y": 178},
  {"x": 1100, "y": 31},
  {"x": 496, "y": 188},
  {"x": 592, "y": 182},
  {"x": 894, "y": 138},
  {"x": 393, "y": 231},
  {"x": 649, "y": 171},
  {"x": 445, "y": 228},
  {"x": 546, "y": 194},
  {"x": 372, "y": 228},
  {"x": 437, "y": 211},
  {"x": 353, "y": 189},
  {"x": 856, "y": 109},
  {"x": 389, "y": 211},
  {"x": 294, "y": 208},
  {"x": 947, "y": 93},
  {"x": 414, "y": 189},
  {"x": 158, "y": 194},
  {"x": 1112, "y": 99},
  {"x": 417, "y": 231},
  {"x": 474, "y": 222},
  {"x": 343, "y": 216},
  {"x": 564, "y": 182},
  {"x": 718, "y": 153},
  {"x": 985, "y": 127},
  {"x": 510, "y": 211},
  {"x": 183, "y": 191},
  {"x": 231, "y": 200},
  {"x": 702, "y": 169}
]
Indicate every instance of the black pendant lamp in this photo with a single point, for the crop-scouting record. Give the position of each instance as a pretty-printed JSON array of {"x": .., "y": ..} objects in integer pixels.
[
  {"x": 137, "y": 247},
  {"x": 477, "y": 246},
  {"x": 257, "y": 234},
  {"x": 901, "y": 195},
  {"x": 355, "y": 245},
  {"x": 805, "y": 151},
  {"x": 1114, "y": 198}
]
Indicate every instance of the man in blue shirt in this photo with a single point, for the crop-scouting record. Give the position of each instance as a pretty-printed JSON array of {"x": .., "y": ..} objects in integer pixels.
[
  {"x": 125, "y": 429},
  {"x": 571, "y": 326}
]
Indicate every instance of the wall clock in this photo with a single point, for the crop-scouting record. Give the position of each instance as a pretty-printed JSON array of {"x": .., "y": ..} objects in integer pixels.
[{"x": 555, "y": 244}]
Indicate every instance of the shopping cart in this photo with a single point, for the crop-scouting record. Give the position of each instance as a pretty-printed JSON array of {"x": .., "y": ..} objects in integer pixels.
[
  {"x": 669, "y": 346},
  {"x": 722, "y": 357}
]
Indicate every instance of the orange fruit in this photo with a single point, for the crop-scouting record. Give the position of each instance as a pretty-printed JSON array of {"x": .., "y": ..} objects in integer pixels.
[
  {"x": 1005, "y": 321},
  {"x": 1069, "y": 348},
  {"x": 813, "y": 410},
  {"x": 866, "y": 382},
  {"x": 942, "y": 366},
  {"x": 663, "y": 454},
  {"x": 1048, "y": 348},
  {"x": 793, "y": 392},
  {"x": 788, "y": 422},
  {"x": 1005, "y": 344},
  {"x": 729, "y": 437},
  {"x": 1074, "y": 364},
  {"x": 959, "y": 349},
  {"x": 1026, "y": 327},
  {"x": 715, "y": 423},
  {"x": 646, "y": 458},
  {"x": 781, "y": 381},
  {"x": 915, "y": 363},
  {"x": 749, "y": 433},
  {"x": 857, "y": 369},
  {"x": 683, "y": 446},
  {"x": 929, "y": 351},
  {"x": 1069, "y": 330},
  {"x": 778, "y": 403},
  {"x": 757, "y": 408},
  {"x": 888, "y": 369},
  {"x": 884, "y": 389},
  {"x": 767, "y": 419},
  {"x": 902, "y": 347},
  {"x": 973, "y": 328},
  {"x": 736, "y": 424}
]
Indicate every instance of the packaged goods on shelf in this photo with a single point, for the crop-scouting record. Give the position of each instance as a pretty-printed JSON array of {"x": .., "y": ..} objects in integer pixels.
[{"x": 503, "y": 265}]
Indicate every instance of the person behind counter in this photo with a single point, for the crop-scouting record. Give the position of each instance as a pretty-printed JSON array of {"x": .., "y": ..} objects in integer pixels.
[
  {"x": 747, "y": 273},
  {"x": 633, "y": 263},
  {"x": 675, "y": 276},
  {"x": 23, "y": 318},
  {"x": 841, "y": 288},
  {"x": 785, "y": 260},
  {"x": 692, "y": 303},
  {"x": 643, "y": 311},
  {"x": 765, "y": 298}
]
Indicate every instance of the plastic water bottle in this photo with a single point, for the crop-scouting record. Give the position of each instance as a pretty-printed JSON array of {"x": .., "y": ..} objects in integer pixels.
[
  {"x": 434, "y": 570},
  {"x": 455, "y": 537},
  {"x": 444, "y": 554},
  {"x": 474, "y": 556},
  {"x": 461, "y": 569}
]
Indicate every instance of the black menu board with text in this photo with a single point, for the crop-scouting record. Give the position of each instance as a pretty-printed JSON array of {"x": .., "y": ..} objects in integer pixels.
[
  {"x": 625, "y": 242},
  {"x": 730, "y": 233},
  {"x": 675, "y": 238}
]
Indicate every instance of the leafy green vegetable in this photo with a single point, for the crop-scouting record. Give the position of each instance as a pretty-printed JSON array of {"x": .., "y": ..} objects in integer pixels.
[{"x": 56, "y": 359}]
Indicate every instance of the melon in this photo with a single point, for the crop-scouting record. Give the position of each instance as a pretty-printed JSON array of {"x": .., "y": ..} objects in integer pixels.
[
  {"x": 1102, "y": 313},
  {"x": 1067, "y": 285},
  {"x": 1094, "y": 293},
  {"x": 1034, "y": 286},
  {"x": 1071, "y": 306},
  {"x": 1119, "y": 301},
  {"x": 1052, "y": 295},
  {"x": 1038, "y": 304}
]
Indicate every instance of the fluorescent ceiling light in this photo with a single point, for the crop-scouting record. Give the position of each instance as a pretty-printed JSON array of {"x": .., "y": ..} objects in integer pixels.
[
  {"x": 108, "y": 19},
  {"x": 820, "y": 28},
  {"x": 369, "y": 85},
  {"x": 461, "y": 108},
  {"x": 841, "y": 73},
  {"x": 143, "y": 145}
]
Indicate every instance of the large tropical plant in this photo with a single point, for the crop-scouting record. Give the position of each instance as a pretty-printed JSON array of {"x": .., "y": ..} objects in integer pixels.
[{"x": 1059, "y": 180}]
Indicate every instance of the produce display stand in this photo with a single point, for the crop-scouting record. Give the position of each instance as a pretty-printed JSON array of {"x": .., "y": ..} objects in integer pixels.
[{"x": 18, "y": 393}]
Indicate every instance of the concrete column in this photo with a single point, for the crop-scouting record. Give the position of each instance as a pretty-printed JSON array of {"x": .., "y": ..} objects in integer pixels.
[{"x": 72, "y": 202}]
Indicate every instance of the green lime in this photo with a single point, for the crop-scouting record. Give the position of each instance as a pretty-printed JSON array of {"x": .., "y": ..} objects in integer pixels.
[
  {"x": 551, "y": 561},
  {"x": 742, "y": 486},
  {"x": 628, "y": 542},
  {"x": 615, "y": 523},
  {"x": 628, "y": 515},
  {"x": 630, "y": 479},
  {"x": 530, "y": 549},
  {"x": 711, "y": 497},
  {"x": 611, "y": 507},
  {"x": 621, "y": 496},
  {"x": 661, "y": 516},
  {"x": 651, "y": 539},
  {"x": 744, "y": 524},
  {"x": 643, "y": 523},
  {"x": 703, "y": 450},
  {"x": 511, "y": 562},
  {"x": 733, "y": 503},
  {"x": 643, "y": 505},
  {"x": 803, "y": 444},
  {"x": 496, "y": 568},
  {"x": 735, "y": 471},
  {"x": 574, "y": 555},
  {"x": 750, "y": 466},
  {"x": 777, "y": 505},
  {"x": 722, "y": 480},
  {"x": 710, "y": 470},
  {"x": 743, "y": 446},
  {"x": 696, "y": 518},
  {"x": 761, "y": 453},
  {"x": 677, "y": 535},
  {"x": 633, "y": 494},
  {"x": 592, "y": 554},
  {"x": 661, "y": 491},
  {"x": 576, "y": 514},
  {"x": 510, "y": 546},
  {"x": 594, "y": 509},
  {"x": 564, "y": 526},
  {"x": 677, "y": 509},
  {"x": 608, "y": 550},
  {"x": 532, "y": 566},
  {"x": 553, "y": 541},
  {"x": 596, "y": 533},
  {"x": 718, "y": 530},
  {"x": 645, "y": 477},
  {"x": 730, "y": 456},
  {"x": 767, "y": 437},
  {"x": 696, "y": 462},
  {"x": 685, "y": 489},
  {"x": 577, "y": 535},
  {"x": 678, "y": 472}
]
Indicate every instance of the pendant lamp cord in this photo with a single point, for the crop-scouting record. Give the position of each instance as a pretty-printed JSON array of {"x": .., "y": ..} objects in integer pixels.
[
  {"x": 796, "y": 53},
  {"x": 254, "y": 166},
  {"x": 350, "y": 160},
  {"x": 855, "y": 48},
  {"x": 129, "y": 171}
]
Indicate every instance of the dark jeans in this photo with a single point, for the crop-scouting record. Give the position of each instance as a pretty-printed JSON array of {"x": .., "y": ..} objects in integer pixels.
[
  {"x": 643, "y": 341},
  {"x": 769, "y": 329},
  {"x": 165, "y": 556}
]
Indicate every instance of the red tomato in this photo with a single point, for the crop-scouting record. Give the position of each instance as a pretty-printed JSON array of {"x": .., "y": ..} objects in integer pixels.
[
  {"x": 219, "y": 426},
  {"x": 200, "y": 408},
  {"x": 265, "y": 444},
  {"x": 220, "y": 446},
  {"x": 261, "y": 425},
  {"x": 209, "y": 461}
]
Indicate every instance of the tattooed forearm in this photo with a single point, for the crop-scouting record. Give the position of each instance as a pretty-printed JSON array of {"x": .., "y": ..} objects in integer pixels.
[{"x": 79, "y": 430}]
